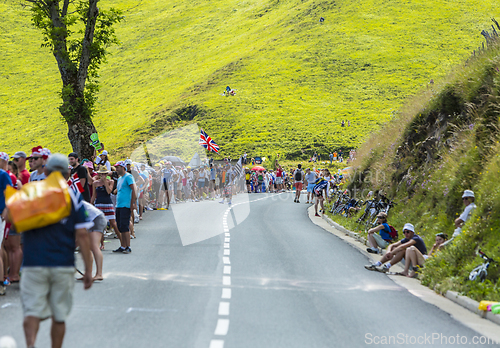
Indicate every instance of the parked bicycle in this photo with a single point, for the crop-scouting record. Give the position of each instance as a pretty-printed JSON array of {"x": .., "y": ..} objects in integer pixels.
[{"x": 481, "y": 271}]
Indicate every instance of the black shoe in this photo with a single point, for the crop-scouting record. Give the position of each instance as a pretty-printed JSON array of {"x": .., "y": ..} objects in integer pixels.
[
  {"x": 127, "y": 250},
  {"x": 295, "y": 200},
  {"x": 119, "y": 250}
]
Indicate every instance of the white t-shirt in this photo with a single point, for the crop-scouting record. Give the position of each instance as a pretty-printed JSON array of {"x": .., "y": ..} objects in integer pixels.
[
  {"x": 92, "y": 211},
  {"x": 467, "y": 212},
  {"x": 99, "y": 161}
]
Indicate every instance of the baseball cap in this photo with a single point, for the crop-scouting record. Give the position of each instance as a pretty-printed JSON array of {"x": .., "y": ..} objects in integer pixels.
[
  {"x": 20, "y": 154},
  {"x": 4, "y": 156},
  {"x": 57, "y": 162},
  {"x": 409, "y": 227},
  {"x": 104, "y": 153},
  {"x": 468, "y": 193},
  {"x": 37, "y": 151},
  {"x": 128, "y": 161}
]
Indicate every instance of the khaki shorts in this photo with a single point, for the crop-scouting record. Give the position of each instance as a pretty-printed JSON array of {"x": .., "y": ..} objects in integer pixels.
[
  {"x": 380, "y": 242},
  {"x": 47, "y": 292}
]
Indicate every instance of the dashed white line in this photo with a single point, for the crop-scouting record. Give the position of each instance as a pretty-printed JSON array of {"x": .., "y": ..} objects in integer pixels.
[
  {"x": 216, "y": 344},
  {"x": 224, "y": 308},
  {"x": 226, "y": 245},
  {"x": 227, "y": 240},
  {"x": 227, "y": 234},
  {"x": 227, "y": 269},
  {"x": 226, "y": 280},
  {"x": 222, "y": 327},
  {"x": 226, "y": 293},
  {"x": 226, "y": 252},
  {"x": 226, "y": 260}
]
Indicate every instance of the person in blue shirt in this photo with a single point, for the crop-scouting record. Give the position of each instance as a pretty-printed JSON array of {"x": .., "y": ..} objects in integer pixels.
[
  {"x": 48, "y": 273},
  {"x": 125, "y": 204},
  {"x": 379, "y": 236},
  {"x": 396, "y": 251}
]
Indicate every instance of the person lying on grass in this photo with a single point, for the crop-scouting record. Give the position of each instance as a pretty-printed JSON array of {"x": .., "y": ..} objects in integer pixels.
[
  {"x": 396, "y": 251},
  {"x": 414, "y": 257}
]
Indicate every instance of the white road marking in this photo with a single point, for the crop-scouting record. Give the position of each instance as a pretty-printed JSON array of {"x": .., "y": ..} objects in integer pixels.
[
  {"x": 226, "y": 245},
  {"x": 226, "y": 260},
  {"x": 226, "y": 280},
  {"x": 224, "y": 308},
  {"x": 151, "y": 310},
  {"x": 227, "y": 240},
  {"x": 226, "y": 252},
  {"x": 222, "y": 327},
  {"x": 216, "y": 344},
  {"x": 226, "y": 293},
  {"x": 227, "y": 234},
  {"x": 227, "y": 269}
]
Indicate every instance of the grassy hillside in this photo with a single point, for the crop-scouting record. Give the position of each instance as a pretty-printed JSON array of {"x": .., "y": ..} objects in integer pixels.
[
  {"x": 444, "y": 142},
  {"x": 296, "y": 78}
]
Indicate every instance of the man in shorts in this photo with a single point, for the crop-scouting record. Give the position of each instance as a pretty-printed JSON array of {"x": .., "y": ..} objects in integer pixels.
[
  {"x": 379, "y": 236},
  {"x": 125, "y": 204},
  {"x": 298, "y": 177},
  {"x": 311, "y": 178},
  {"x": 396, "y": 252},
  {"x": 48, "y": 271}
]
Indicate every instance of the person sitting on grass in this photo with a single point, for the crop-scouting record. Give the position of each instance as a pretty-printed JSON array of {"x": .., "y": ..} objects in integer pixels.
[
  {"x": 414, "y": 257},
  {"x": 468, "y": 199},
  {"x": 379, "y": 236},
  {"x": 396, "y": 251}
]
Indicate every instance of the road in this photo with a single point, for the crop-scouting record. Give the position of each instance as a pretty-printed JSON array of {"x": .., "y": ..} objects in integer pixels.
[{"x": 265, "y": 276}]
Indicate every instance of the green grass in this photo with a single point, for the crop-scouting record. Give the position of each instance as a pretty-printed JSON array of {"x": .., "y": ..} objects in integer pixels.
[
  {"x": 427, "y": 177},
  {"x": 296, "y": 79}
]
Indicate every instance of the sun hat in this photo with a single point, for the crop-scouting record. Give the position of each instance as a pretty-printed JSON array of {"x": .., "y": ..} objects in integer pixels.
[
  {"x": 4, "y": 156},
  {"x": 103, "y": 170},
  {"x": 121, "y": 164},
  {"x": 20, "y": 154},
  {"x": 409, "y": 227},
  {"x": 89, "y": 164},
  {"x": 468, "y": 193},
  {"x": 382, "y": 215},
  {"x": 57, "y": 163}
]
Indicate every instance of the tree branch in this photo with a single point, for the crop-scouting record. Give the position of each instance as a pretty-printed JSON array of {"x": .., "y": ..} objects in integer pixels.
[
  {"x": 65, "y": 9},
  {"x": 87, "y": 43}
]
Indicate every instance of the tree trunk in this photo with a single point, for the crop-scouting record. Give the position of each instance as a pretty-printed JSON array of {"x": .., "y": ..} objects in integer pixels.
[{"x": 79, "y": 136}]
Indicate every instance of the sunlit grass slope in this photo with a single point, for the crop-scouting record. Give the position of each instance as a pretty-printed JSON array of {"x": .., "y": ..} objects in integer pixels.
[{"x": 296, "y": 78}]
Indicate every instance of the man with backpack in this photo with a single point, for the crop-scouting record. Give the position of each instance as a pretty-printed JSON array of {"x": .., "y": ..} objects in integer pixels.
[
  {"x": 381, "y": 236},
  {"x": 298, "y": 177}
]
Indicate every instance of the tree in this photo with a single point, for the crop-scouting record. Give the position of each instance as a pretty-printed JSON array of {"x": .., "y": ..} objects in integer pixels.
[{"x": 79, "y": 34}]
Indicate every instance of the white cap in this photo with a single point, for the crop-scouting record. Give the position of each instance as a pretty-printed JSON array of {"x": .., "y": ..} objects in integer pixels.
[
  {"x": 105, "y": 153},
  {"x": 409, "y": 227},
  {"x": 468, "y": 193},
  {"x": 128, "y": 161}
]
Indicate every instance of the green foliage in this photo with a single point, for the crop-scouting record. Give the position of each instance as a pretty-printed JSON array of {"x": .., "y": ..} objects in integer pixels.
[
  {"x": 296, "y": 79},
  {"x": 448, "y": 142}
]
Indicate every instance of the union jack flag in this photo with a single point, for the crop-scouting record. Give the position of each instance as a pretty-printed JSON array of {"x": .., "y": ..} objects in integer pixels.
[{"x": 207, "y": 142}]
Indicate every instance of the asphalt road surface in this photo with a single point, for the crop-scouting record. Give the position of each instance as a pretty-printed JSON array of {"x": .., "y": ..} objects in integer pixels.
[{"x": 260, "y": 274}]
